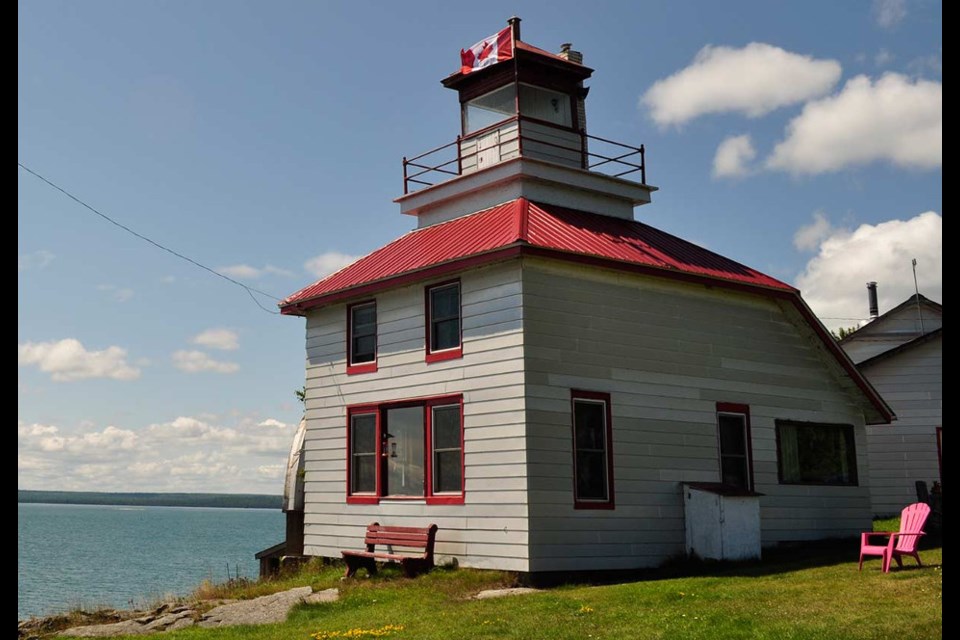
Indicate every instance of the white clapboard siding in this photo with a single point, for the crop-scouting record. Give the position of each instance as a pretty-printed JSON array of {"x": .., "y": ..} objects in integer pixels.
[
  {"x": 667, "y": 353},
  {"x": 490, "y": 529},
  {"x": 901, "y": 453}
]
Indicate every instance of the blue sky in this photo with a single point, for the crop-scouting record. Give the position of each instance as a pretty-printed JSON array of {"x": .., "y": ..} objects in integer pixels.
[{"x": 264, "y": 140}]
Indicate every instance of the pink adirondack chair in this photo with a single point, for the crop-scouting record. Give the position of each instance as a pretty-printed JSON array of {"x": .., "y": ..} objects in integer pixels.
[{"x": 899, "y": 543}]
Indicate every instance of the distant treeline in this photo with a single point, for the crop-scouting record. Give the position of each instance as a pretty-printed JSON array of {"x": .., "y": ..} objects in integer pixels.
[{"x": 226, "y": 500}]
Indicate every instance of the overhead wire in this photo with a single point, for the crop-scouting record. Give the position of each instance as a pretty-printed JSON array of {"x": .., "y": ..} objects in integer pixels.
[{"x": 250, "y": 290}]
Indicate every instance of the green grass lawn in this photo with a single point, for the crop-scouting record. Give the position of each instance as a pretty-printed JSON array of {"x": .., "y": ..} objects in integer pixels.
[{"x": 811, "y": 592}]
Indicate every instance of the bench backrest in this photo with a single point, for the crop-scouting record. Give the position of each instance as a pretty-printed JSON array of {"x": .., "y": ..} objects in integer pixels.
[{"x": 409, "y": 537}]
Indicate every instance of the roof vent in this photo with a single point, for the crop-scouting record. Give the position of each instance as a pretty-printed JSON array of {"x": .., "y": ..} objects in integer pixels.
[{"x": 872, "y": 299}]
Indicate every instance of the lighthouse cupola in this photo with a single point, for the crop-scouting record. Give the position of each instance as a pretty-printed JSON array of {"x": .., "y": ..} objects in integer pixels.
[{"x": 523, "y": 133}]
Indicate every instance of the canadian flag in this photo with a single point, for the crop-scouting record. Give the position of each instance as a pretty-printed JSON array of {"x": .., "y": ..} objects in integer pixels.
[{"x": 488, "y": 51}]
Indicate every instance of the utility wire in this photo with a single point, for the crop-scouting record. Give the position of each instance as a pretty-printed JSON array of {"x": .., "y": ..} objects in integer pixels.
[{"x": 250, "y": 290}]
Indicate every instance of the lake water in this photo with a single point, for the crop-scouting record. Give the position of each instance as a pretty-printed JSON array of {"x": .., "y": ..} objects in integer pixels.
[{"x": 70, "y": 555}]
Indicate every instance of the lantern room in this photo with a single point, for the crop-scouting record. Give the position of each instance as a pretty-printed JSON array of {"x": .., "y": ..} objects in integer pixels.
[{"x": 523, "y": 133}]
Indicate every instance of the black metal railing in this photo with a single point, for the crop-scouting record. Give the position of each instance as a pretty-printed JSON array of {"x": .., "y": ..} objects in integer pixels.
[{"x": 442, "y": 163}]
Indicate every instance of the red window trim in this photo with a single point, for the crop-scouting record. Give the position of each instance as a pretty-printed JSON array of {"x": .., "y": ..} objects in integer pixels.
[
  {"x": 446, "y": 354},
  {"x": 363, "y": 367},
  {"x": 744, "y": 410},
  {"x": 610, "y": 502},
  {"x": 429, "y": 496}
]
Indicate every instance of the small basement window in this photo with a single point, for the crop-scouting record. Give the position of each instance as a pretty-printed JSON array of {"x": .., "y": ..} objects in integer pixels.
[{"x": 811, "y": 453}]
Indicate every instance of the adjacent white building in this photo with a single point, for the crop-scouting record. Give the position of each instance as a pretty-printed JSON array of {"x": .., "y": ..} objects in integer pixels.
[
  {"x": 901, "y": 353},
  {"x": 539, "y": 374}
]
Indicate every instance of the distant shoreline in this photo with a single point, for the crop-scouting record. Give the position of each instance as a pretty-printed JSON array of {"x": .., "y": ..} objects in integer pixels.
[{"x": 144, "y": 499}]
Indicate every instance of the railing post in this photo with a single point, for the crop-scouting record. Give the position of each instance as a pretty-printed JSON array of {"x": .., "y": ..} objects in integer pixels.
[
  {"x": 519, "y": 135},
  {"x": 583, "y": 150},
  {"x": 459, "y": 156},
  {"x": 643, "y": 165},
  {"x": 404, "y": 175}
]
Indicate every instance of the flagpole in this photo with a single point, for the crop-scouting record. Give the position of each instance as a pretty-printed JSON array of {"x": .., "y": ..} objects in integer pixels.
[
  {"x": 514, "y": 22},
  {"x": 916, "y": 288}
]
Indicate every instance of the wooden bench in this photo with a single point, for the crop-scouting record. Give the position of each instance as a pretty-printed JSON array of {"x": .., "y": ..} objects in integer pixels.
[{"x": 414, "y": 538}]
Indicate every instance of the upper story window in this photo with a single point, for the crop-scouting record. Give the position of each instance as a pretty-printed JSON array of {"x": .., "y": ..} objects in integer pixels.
[
  {"x": 592, "y": 451},
  {"x": 443, "y": 324},
  {"x": 810, "y": 453},
  {"x": 362, "y": 337}
]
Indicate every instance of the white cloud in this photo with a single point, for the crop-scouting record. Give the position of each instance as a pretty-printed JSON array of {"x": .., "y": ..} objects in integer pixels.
[
  {"x": 889, "y": 13},
  {"x": 185, "y": 454},
  {"x": 834, "y": 281},
  {"x": 733, "y": 157},
  {"x": 247, "y": 272},
  {"x": 198, "y": 362},
  {"x": 68, "y": 360},
  {"x": 753, "y": 81},
  {"x": 883, "y": 58},
  {"x": 809, "y": 237},
  {"x": 273, "y": 423},
  {"x": 327, "y": 263},
  {"x": 243, "y": 271},
  {"x": 218, "y": 338},
  {"x": 120, "y": 294},
  {"x": 36, "y": 260},
  {"x": 893, "y": 119}
]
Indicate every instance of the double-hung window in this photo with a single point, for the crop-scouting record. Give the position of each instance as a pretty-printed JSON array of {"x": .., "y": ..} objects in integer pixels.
[
  {"x": 443, "y": 325},
  {"x": 362, "y": 337},
  {"x": 592, "y": 450},
  {"x": 813, "y": 453},
  {"x": 406, "y": 450},
  {"x": 733, "y": 437}
]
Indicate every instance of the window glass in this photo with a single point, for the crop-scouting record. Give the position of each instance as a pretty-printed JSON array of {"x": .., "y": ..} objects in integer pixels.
[
  {"x": 447, "y": 460},
  {"x": 734, "y": 461},
  {"x": 445, "y": 317},
  {"x": 589, "y": 424},
  {"x": 816, "y": 453},
  {"x": 363, "y": 333},
  {"x": 489, "y": 109},
  {"x": 363, "y": 444},
  {"x": 404, "y": 449}
]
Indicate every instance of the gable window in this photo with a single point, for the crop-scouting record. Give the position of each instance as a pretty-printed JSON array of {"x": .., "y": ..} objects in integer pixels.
[
  {"x": 406, "y": 450},
  {"x": 443, "y": 324},
  {"x": 733, "y": 438},
  {"x": 810, "y": 453},
  {"x": 592, "y": 451},
  {"x": 362, "y": 337}
]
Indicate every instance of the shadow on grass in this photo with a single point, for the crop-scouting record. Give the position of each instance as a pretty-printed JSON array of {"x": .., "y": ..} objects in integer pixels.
[{"x": 784, "y": 558}]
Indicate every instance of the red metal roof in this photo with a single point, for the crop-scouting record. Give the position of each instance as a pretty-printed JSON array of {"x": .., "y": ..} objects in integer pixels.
[{"x": 520, "y": 226}]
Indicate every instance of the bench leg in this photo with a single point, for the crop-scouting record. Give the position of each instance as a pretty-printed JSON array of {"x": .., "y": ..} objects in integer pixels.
[
  {"x": 414, "y": 567},
  {"x": 357, "y": 562}
]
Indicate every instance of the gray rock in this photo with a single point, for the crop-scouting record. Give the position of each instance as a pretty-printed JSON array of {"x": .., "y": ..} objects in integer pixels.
[
  {"x": 500, "y": 593},
  {"x": 262, "y": 610},
  {"x": 327, "y": 595}
]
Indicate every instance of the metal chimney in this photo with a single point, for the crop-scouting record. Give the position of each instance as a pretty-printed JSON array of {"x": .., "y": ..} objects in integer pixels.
[{"x": 872, "y": 298}]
